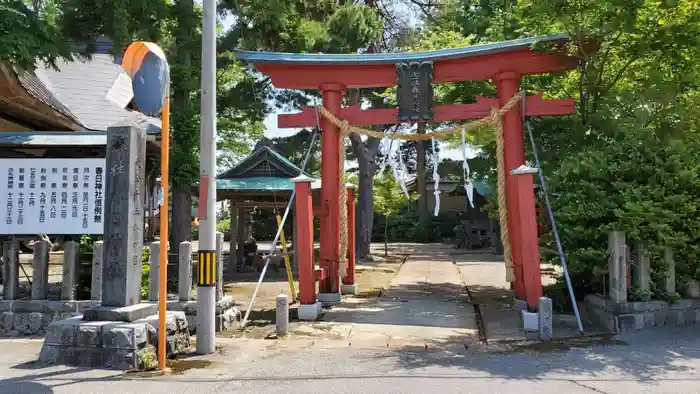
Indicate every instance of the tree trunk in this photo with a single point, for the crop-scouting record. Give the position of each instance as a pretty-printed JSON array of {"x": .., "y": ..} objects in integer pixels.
[
  {"x": 181, "y": 189},
  {"x": 421, "y": 185},
  {"x": 181, "y": 228},
  {"x": 365, "y": 208},
  {"x": 365, "y": 152},
  {"x": 386, "y": 236}
]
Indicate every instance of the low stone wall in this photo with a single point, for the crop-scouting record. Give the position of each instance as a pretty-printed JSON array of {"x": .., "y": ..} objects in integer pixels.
[
  {"x": 32, "y": 317},
  {"x": 629, "y": 316},
  {"x": 616, "y": 313},
  {"x": 115, "y": 345},
  {"x": 227, "y": 315}
]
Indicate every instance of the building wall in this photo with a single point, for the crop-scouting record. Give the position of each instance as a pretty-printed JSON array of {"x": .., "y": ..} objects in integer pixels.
[
  {"x": 455, "y": 204},
  {"x": 7, "y": 126}
]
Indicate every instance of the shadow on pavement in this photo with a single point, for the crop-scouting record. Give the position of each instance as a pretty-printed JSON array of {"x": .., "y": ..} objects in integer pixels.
[
  {"x": 24, "y": 388},
  {"x": 645, "y": 355}
]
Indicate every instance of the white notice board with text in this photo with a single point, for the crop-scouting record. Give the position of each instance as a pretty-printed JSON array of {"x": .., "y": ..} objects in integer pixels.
[{"x": 52, "y": 196}]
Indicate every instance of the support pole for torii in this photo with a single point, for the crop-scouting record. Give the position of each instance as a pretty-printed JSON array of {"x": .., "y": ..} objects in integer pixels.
[{"x": 206, "y": 272}]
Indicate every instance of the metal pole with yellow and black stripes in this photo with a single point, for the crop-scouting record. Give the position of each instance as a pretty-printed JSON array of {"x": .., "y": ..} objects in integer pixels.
[{"x": 206, "y": 268}]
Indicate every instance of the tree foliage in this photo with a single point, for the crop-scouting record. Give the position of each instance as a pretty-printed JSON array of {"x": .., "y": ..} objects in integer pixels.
[
  {"x": 27, "y": 37},
  {"x": 624, "y": 160},
  {"x": 389, "y": 199}
]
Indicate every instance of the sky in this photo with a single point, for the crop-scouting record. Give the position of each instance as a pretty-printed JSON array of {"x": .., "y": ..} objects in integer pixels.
[{"x": 272, "y": 131}]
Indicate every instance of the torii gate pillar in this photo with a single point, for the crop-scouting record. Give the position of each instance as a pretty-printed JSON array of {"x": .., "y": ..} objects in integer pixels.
[
  {"x": 329, "y": 288},
  {"x": 508, "y": 85}
]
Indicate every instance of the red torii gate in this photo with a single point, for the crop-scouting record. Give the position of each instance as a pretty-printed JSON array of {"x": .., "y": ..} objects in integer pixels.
[{"x": 504, "y": 63}]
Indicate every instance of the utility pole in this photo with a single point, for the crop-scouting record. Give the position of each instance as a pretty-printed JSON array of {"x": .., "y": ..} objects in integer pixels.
[{"x": 206, "y": 269}]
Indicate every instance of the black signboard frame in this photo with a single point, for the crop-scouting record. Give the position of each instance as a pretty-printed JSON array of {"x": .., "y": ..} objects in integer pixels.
[{"x": 414, "y": 93}]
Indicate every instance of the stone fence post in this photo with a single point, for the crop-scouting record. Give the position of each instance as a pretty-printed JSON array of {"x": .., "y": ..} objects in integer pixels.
[
  {"x": 153, "y": 270},
  {"x": 96, "y": 284},
  {"x": 41, "y": 270},
  {"x": 642, "y": 268},
  {"x": 670, "y": 282},
  {"x": 184, "y": 282},
  {"x": 10, "y": 269},
  {"x": 71, "y": 257},
  {"x": 617, "y": 266},
  {"x": 219, "y": 266}
]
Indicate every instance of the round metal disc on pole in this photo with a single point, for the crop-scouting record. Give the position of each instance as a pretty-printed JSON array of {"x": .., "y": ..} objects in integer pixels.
[
  {"x": 206, "y": 277},
  {"x": 148, "y": 68}
]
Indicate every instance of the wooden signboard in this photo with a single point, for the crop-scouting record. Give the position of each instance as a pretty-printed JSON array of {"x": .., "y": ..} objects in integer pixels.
[{"x": 415, "y": 91}]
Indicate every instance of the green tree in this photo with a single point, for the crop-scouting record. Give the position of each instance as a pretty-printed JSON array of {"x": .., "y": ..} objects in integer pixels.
[
  {"x": 622, "y": 161},
  {"x": 389, "y": 200},
  {"x": 29, "y": 35}
]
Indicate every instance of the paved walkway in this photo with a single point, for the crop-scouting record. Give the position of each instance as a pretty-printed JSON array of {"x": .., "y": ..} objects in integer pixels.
[
  {"x": 485, "y": 276},
  {"x": 425, "y": 304}
]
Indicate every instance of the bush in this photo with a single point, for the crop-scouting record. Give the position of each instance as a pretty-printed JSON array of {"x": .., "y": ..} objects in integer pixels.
[
  {"x": 638, "y": 183},
  {"x": 224, "y": 226},
  {"x": 195, "y": 232},
  {"x": 145, "y": 272},
  {"x": 405, "y": 227}
]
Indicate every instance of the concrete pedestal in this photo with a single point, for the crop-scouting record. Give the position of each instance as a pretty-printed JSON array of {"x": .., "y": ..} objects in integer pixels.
[
  {"x": 310, "y": 312},
  {"x": 530, "y": 321},
  {"x": 349, "y": 289},
  {"x": 329, "y": 299}
]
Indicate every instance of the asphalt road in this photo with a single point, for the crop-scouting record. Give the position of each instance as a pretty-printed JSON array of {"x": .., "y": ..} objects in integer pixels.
[{"x": 660, "y": 361}]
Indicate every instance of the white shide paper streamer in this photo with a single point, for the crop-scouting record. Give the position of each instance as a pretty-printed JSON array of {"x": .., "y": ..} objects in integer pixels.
[
  {"x": 436, "y": 178},
  {"x": 468, "y": 185}
]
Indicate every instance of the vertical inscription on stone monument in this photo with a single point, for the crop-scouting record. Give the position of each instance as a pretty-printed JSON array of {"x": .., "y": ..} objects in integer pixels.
[{"x": 123, "y": 216}]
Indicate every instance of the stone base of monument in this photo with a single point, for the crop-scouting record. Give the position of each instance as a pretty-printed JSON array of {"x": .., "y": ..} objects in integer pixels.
[
  {"x": 630, "y": 316},
  {"x": 125, "y": 314},
  {"x": 227, "y": 315},
  {"x": 113, "y": 344}
]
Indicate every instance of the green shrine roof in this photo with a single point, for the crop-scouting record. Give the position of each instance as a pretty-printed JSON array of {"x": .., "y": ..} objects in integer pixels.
[
  {"x": 258, "y": 183},
  {"x": 262, "y": 170}
]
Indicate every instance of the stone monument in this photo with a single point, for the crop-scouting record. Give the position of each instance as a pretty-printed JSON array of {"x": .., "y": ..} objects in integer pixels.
[
  {"x": 122, "y": 250},
  {"x": 121, "y": 332}
]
